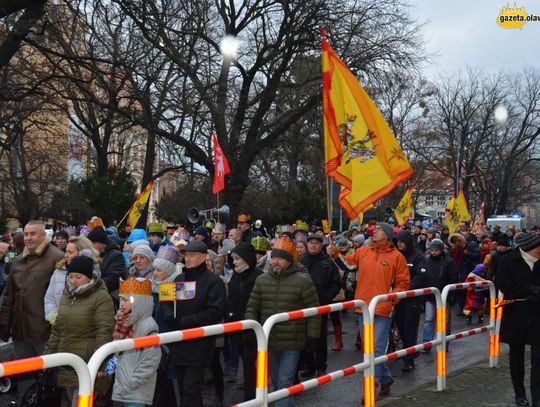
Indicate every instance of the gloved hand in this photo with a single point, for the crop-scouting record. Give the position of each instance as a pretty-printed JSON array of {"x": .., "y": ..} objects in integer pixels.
[
  {"x": 5, "y": 333},
  {"x": 311, "y": 344},
  {"x": 52, "y": 318}
]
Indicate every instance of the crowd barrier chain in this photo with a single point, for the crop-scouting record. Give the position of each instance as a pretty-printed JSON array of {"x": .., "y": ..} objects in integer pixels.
[
  {"x": 441, "y": 310},
  {"x": 195, "y": 333},
  {"x": 493, "y": 332},
  {"x": 309, "y": 384},
  {"x": 36, "y": 363}
]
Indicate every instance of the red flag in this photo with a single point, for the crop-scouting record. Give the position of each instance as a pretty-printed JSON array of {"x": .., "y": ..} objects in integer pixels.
[{"x": 221, "y": 166}]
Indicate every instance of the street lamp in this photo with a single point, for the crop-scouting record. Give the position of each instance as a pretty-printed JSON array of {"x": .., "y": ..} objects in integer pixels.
[{"x": 229, "y": 47}]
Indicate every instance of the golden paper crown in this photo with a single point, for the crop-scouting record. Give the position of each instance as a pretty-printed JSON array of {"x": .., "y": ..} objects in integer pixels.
[
  {"x": 285, "y": 244},
  {"x": 132, "y": 286}
]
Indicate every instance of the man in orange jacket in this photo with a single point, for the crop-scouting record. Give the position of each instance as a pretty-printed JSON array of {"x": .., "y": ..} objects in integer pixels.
[{"x": 381, "y": 269}]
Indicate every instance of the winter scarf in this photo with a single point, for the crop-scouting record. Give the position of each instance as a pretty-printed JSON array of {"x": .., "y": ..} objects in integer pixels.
[
  {"x": 122, "y": 329},
  {"x": 458, "y": 254}
]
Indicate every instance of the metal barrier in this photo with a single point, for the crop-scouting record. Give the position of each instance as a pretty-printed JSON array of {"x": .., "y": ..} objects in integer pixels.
[
  {"x": 194, "y": 333},
  {"x": 309, "y": 384},
  {"x": 36, "y": 363},
  {"x": 493, "y": 333},
  {"x": 440, "y": 332}
]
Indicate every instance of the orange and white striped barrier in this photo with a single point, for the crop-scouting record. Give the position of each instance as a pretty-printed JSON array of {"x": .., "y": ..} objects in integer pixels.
[
  {"x": 495, "y": 314},
  {"x": 494, "y": 348},
  {"x": 441, "y": 366},
  {"x": 310, "y": 384},
  {"x": 184, "y": 335},
  {"x": 36, "y": 363}
]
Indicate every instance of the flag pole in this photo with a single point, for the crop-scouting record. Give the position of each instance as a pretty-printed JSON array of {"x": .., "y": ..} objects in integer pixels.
[
  {"x": 328, "y": 200},
  {"x": 124, "y": 218},
  {"x": 217, "y": 206}
]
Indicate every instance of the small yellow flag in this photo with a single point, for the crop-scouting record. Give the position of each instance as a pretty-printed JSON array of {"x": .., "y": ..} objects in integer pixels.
[
  {"x": 326, "y": 226},
  {"x": 138, "y": 206},
  {"x": 457, "y": 211},
  {"x": 403, "y": 211},
  {"x": 167, "y": 291}
]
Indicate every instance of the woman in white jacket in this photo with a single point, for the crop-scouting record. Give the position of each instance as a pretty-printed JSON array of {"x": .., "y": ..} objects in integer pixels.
[{"x": 77, "y": 246}]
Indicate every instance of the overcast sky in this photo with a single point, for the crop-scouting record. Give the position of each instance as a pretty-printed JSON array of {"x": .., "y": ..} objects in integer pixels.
[{"x": 465, "y": 32}]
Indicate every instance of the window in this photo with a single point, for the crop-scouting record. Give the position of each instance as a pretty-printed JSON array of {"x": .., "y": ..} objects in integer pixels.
[
  {"x": 441, "y": 200},
  {"x": 428, "y": 200}
]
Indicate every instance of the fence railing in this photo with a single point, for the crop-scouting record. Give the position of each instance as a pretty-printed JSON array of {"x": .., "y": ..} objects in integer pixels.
[
  {"x": 36, "y": 363},
  {"x": 87, "y": 373}
]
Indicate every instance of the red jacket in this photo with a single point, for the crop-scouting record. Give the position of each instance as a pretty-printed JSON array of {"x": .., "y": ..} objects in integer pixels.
[{"x": 381, "y": 269}]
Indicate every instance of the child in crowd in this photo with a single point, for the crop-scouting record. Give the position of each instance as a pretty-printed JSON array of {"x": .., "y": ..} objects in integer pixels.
[
  {"x": 476, "y": 295},
  {"x": 136, "y": 370}
]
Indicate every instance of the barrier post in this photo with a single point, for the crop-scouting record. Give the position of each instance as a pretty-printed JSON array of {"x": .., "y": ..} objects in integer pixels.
[
  {"x": 36, "y": 363},
  {"x": 491, "y": 328},
  {"x": 495, "y": 315},
  {"x": 403, "y": 352},
  {"x": 369, "y": 355},
  {"x": 441, "y": 325}
]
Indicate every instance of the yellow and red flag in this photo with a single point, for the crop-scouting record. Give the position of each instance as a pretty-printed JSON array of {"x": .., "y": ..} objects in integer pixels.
[
  {"x": 361, "y": 153},
  {"x": 403, "y": 211},
  {"x": 138, "y": 206},
  {"x": 480, "y": 220},
  {"x": 457, "y": 211},
  {"x": 221, "y": 166}
]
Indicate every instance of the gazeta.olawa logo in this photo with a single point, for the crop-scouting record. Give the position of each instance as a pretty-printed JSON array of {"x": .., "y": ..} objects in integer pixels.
[{"x": 515, "y": 17}]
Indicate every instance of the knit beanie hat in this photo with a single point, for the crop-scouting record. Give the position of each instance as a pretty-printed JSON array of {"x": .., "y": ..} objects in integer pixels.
[
  {"x": 137, "y": 243},
  {"x": 247, "y": 252},
  {"x": 528, "y": 241},
  {"x": 284, "y": 248},
  {"x": 137, "y": 234},
  {"x": 201, "y": 230},
  {"x": 166, "y": 259},
  {"x": 437, "y": 244},
  {"x": 82, "y": 265},
  {"x": 145, "y": 251},
  {"x": 98, "y": 235},
  {"x": 387, "y": 229}
]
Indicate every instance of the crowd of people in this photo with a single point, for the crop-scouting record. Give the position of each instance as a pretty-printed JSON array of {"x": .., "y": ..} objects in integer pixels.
[{"x": 82, "y": 288}]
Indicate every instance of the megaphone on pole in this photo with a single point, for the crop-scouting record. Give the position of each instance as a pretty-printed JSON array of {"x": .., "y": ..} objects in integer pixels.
[{"x": 195, "y": 215}]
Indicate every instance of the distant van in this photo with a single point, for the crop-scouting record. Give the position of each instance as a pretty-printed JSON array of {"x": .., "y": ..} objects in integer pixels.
[{"x": 504, "y": 222}]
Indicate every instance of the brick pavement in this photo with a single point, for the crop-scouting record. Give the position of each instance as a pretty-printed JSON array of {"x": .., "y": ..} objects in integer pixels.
[{"x": 473, "y": 386}]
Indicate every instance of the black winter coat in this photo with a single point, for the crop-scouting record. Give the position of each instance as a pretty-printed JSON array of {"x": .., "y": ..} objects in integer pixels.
[
  {"x": 207, "y": 308},
  {"x": 113, "y": 266},
  {"x": 440, "y": 271},
  {"x": 324, "y": 274},
  {"x": 415, "y": 261},
  {"x": 240, "y": 287},
  {"x": 520, "y": 320}
]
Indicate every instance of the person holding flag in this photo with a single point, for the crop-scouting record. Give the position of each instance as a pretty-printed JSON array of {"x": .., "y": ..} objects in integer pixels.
[{"x": 200, "y": 300}]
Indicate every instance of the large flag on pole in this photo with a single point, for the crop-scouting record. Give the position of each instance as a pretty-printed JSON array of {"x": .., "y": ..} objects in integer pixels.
[
  {"x": 403, "y": 211},
  {"x": 221, "y": 166},
  {"x": 457, "y": 211},
  {"x": 479, "y": 220},
  {"x": 138, "y": 206},
  {"x": 361, "y": 153}
]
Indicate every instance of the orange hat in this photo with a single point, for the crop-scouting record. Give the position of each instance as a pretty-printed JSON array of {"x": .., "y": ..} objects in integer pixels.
[
  {"x": 133, "y": 286},
  {"x": 244, "y": 218},
  {"x": 424, "y": 232},
  {"x": 284, "y": 248}
]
